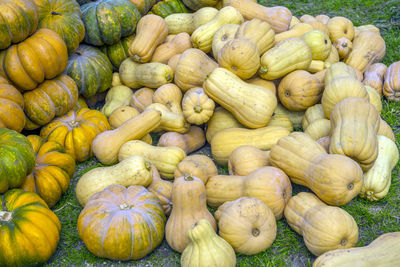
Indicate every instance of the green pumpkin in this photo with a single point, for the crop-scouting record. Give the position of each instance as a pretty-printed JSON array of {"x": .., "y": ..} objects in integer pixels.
[
  {"x": 63, "y": 17},
  {"x": 197, "y": 4},
  {"x": 17, "y": 159},
  {"x": 107, "y": 21},
  {"x": 116, "y": 53},
  {"x": 167, "y": 7},
  {"x": 143, "y": 5},
  {"x": 91, "y": 70},
  {"x": 18, "y": 20}
]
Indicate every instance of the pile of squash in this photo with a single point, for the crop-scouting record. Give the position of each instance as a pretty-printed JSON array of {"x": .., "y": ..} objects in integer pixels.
[{"x": 239, "y": 76}]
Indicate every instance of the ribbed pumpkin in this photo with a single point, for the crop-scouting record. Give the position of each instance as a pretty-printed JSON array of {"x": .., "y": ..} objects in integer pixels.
[
  {"x": 17, "y": 159},
  {"x": 167, "y": 7},
  {"x": 122, "y": 223},
  {"x": 143, "y": 5},
  {"x": 90, "y": 69},
  {"x": 52, "y": 98},
  {"x": 76, "y": 131},
  {"x": 42, "y": 56},
  {"x": 116, "y": 53},
  {"x": 53, "y": 171},
  {"x": 63, "y": 17},
  {"x": 30, "y": 231},
  {"x": 391, "y": 87},
  {"x": 106, "y": 21},
  {"x": 19, "y": 20},
  {"x": 11, "y": 107}
]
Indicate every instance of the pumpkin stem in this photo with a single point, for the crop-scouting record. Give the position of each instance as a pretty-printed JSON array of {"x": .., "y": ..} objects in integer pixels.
[
  {"x": 343, "y": 242},
  {"x": 147, "y": 165},
  {"x": 255, "y": 232},
  {"x": 263, "y": 70},
  {"x": 187, "y": 177},
  {"x": 73, "y": 124},
  {"x": 198, "y": 109},
  {"x": 55, "y": 13},
  {"x": 168, "y": 77},
  {"x": 5, "y": 216},
  {"x": 350, "y": 186},
  {"x": 124, "y": 206},
  {"x": 137, "y": 58}
]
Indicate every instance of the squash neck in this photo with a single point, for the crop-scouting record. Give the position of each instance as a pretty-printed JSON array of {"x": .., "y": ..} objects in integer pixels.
[{"x": 5, "y": 216}]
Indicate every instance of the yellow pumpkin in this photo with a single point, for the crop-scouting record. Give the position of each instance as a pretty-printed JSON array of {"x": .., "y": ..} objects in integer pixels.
[
  {"x": 319, "y": 43},
  {"x": 224, "y": 34},
  {"x": 340, "y": 27},
  {"x": 391, "y": 87},
  {"x": 197, "y": 106}
]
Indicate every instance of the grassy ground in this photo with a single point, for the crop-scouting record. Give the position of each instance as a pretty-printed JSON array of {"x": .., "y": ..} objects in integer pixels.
[{"x": 288, "y": 249}]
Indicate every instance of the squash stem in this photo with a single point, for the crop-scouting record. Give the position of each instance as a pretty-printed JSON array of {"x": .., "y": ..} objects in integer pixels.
[
  {"x": 187, "y": 177},
  {"x": 5, "y": 216},
  {"x": 124, "y": 206},
  {"x": 255, "y": 232},
  {"x": 198, "y": 109}
]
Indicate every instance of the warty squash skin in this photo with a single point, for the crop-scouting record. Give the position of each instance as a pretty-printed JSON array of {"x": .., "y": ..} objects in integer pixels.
[
  {"x": 241, "y": 57},
  {"x": 289, "y": 55},
  {"x": 257, "y": 31},
  {"x": 374, "y": 76},
  {"x": 114, "y": 217},
  {"x": 193, "y": 68},
  {"x": 165, "y": 159},
  {"x": 191, "y": 141},
  {"x": 251, "y": 105},
  {"x": 26, "y": 65},
  {"x": 177, "y": 45},
  {"x": 151, "y": 31},
  {"x": 220, "y": 120},
  {"x": 278, "y": 17},
  {"x": 354, "y": 125},
  {"x": 377, "y": 180},
  {"x": 335, "y": 179},
  {"x": 197, "y": 106},
  {"x": 162, "y": 189},
  {"x": 12, "y": 114},
  {"x": 296, "y": 32},
  {"x": 152, "y": 75},
  {"x": 299, "y": 90},
  {"x": 340, "y": 27},
  {"x": 134, "y": 170},
  {"x": 269, "y": 184},
  {"x": 116, "y": 97},
  {"x": 247, "y": 224},
  {"x": 246, "y": 159},
  {"x": 169, "y": 95},
  {"x": 202, "y": 37},
  {"x": 309, "y": 217},
  {"x": 170, "y": 121},
  {"x": 224, "y": 34},
  {"x": 30, "y": 230},
  {"x": 380, "y": 252},
  {"x": 368, "y": 48},
  {"x": 391, "y": 87},
  {"x": 196, "y": 165},
  {"x": 107, "y": 144},
  {"x": 206, "y": 248},
  {"x": 188, "y": 206},
  {"x": 142, "y": 98}
]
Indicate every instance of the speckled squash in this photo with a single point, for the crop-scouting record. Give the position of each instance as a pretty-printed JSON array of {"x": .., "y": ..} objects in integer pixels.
[
  {"x": 167, "y": 7},
  {"x": 116, "y": 53},
  {"x": 143, "y": 5}
]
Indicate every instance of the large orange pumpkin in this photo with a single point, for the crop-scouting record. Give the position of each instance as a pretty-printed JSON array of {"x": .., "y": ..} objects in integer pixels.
[
  {"x": 122, "y": 223},
  {"x": 76, "y": 131},
  {"x": 53, "y": 171},
  {"x": 11, "y": 107}
]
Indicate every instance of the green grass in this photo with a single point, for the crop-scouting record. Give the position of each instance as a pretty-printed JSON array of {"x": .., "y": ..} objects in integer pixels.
[{"x": 288, "y": 249}]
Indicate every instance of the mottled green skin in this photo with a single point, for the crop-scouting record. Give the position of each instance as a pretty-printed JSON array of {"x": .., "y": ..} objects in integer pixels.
[
  {"x": 116, "y": 53},
  {"x": 167, "y": 7},
  {"x": 63, "y": 17},
  {"x": 17, "y": 159},
  {"x": 91, "y": 70},
  {"x": 18, "y": 20},
  {"x": 107, "y": 21}
]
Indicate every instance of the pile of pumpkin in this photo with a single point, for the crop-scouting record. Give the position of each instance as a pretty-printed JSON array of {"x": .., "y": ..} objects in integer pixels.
[{"x": 214, "y": 75}]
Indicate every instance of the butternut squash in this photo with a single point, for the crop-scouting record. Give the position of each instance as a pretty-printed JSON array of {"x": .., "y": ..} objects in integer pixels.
[
  {"x": 170, "y": 121},
  {"x": 191, "y": 141},
  {"x": 296, "y": 32},
  {"x": 313, "y": 113},
  {"x": 319, "y": 43},
  {"x": 197, "y": 165},
  {"x": 246, "y": 159},
  {"x": 318, "y": 128},
  {"x": 116, "y": 97},
  {"x": 169, "y": 95},
  {"x": 223, "y": 35},
  {"x": 340, "y": 27},
  {"x": 142, "y": 98},
  {"x": 391, "y": 87},
  {"x": 220, "y": 120},
  {"x": 177, "y": 45},
  {"x": 162, "y": 189},
  {"x": 374, "y": 76}
]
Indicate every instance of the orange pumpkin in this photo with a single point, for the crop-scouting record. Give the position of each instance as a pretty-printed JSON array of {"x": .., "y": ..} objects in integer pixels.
[{"x": 11, "y": 107}]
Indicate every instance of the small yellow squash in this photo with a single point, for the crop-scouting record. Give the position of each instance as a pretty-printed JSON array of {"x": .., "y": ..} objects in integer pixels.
[
  {"x": 197, "y": 106},
  {"x": 340, "y": 27},
  {"x": 224, "y": 34},
  {"x": 319, "y": 43},
  {"x": 116, "y": 97}
]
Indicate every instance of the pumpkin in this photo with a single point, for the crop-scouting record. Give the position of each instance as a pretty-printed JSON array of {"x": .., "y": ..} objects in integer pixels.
[
  {"x": 90, "y": 69},
  {"x": 191, "y": 141},
  {"x": 169, "y": 95},
  {"x": 167, "y": 7},
  {"x": 197, "y": 106},
  {"x": 269, "y": 184},
  {"x": 177, "y": 45},
  {"x": 51, "y": 98},
  {"x": 343, "y": 46},
  {"x": 241, "y": 57},
  {"x": 377, "y": 180},
  {"x": 117, "y": 96},
  {"x": 63, "y": 17},
  {"x": 19, "y": 20},
  {"x": 30, "y": 230},
  {"x": 368, "y": 27},
  {"x": 76, "y": 131},
  {"x": 309, "y": 217},
  {"x": 26, "y": 65},
  {"x": 335, "y": 179},
  {"x": 162, "y": 189},
  {"x": 151, "y": 31},
  {"x": 193, "y": 68},
  {"x": 299, "y": 90},
  {"x": 278, "y": 17},
  {"x": 80, "y": 103},
  {"x": 206, "y": 248},
  {"x": 312, "y": 113},
  {"x": 374, "y": 98},
  {"x": 100, "y": 228},
  {"x": 259, "y": 32},
  {"x": 107, "y": 21},
  {"x": 374, "y": 76},
  {"x": 198, "y": 4},
  {"x": 319, "y": 43},
  {"x": 391, "y": 87},
  {"x": 340, "y": 27},
  {"x": 296, "y": 32},
  {"x": 196, "y": 165},
  {"x": 322, "y": 18},
  {"x": 119, "y": 51},
  {"x": 246, "y": 159},
  {"x": 354, "y": 123},
  {"x": 378, "y": 252},
  {"x": 142, "y": 98},
  {"x": 223, "y": 35},
  {"x": 289, "y": 55},
  {"x": 143, "y": 5},
  {"x": 247, "y": 224},
  {"x": 11, "y": 107},
  {"x": 188, "y": 206}
]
